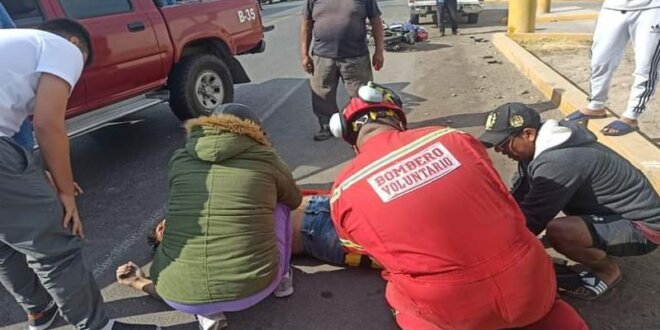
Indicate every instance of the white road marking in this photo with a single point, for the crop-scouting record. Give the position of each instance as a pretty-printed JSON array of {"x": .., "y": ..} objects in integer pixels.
[
  {"x": 112, "y": 258},
  {"x": 282, "y": 99}
]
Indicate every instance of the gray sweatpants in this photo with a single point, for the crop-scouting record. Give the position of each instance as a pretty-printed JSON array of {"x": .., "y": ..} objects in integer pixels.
[
  {"x": 40, "y": 260},
  {"x": 613, "y": 31},
  {"x": 354, "y": 72}
]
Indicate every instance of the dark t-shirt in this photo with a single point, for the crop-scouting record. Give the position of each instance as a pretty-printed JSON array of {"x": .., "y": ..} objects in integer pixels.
[{"x": 340, "y": 26}]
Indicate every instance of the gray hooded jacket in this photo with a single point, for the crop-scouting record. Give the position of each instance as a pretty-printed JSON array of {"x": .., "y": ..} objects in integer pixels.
[{"x": 573, "y": 173}]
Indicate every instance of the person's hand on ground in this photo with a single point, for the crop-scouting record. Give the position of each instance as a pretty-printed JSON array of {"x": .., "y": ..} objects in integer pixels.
[
  {"x": 71, "y": 217},
  {"x": 378, "y": 60},
  {"x": 76, "y": 188},
  {"x": 308, "y": 64},
  {"x": 130, "y": 274}
]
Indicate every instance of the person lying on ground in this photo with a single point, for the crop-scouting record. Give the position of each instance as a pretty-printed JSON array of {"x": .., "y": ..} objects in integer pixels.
[
  {"x": 611, "y": 208},
  {"x": 227, "y": 244},
  {"x": 429, "y": 207}
]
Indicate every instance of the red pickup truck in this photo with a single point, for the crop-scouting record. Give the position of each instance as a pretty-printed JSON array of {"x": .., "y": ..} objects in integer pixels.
[{"x": 150, "y": 51}]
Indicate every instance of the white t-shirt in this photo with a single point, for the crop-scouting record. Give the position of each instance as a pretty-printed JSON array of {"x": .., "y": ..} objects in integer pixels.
[
  {"x": 24, "y": 55},
  {"x": 631, "y": 4}
]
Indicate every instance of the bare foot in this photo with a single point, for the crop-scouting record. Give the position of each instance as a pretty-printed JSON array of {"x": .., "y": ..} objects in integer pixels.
[
  {"x": 130, "y": 274},
  {"x": 609, "y": 274},
  {"x": 593, "y": 112}
]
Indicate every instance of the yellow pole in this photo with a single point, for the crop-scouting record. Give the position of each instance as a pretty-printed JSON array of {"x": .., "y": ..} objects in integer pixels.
[
  {"x": 543, "y": 6},
  {"x": 522, "y": 16}
]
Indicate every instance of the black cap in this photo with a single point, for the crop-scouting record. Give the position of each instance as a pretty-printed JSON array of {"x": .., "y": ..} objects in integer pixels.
[
  {"x": 507, "y": 120},
  {"x": 239, "y": 110}
]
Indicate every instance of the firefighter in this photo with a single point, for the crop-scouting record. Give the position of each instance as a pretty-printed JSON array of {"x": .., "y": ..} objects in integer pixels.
[{"x": 430, "y": 208}]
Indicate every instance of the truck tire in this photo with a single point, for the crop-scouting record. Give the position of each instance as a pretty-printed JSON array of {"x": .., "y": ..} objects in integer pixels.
[
  {"x": 199, "y": 84},
  {"x": 473, "y": 18},
  {"x": 414, "y": 18}
]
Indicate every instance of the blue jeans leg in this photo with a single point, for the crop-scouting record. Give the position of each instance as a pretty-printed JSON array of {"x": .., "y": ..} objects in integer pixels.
[{"x": 318, "y": 235}]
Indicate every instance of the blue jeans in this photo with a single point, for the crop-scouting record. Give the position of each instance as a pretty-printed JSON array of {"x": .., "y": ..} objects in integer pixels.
[
  {"x": 5, "y": 20},
  {"x": 25, "y": 137},
  {"x": 318, "y": 235}
]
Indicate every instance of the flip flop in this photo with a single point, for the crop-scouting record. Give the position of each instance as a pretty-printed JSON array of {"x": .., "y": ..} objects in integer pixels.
[
  {"x": 579, "y": 116},
  {"x": 620, "y": 127},
  {"x": 567, "y": 278},
  {"x": 592, "y": 286}
]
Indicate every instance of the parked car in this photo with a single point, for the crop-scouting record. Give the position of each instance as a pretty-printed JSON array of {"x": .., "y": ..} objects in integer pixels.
[{"x": 147, "y": 52}]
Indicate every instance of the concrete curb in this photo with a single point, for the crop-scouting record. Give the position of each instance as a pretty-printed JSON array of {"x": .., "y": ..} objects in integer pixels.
[
  {"x": 549, "y": 18},
  {"x": 641, "y": 152},
  {"x": 554, "y": 36}
]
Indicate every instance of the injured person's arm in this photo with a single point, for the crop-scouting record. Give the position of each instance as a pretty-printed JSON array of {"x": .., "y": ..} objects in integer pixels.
[{"x": 131, "y": 275}]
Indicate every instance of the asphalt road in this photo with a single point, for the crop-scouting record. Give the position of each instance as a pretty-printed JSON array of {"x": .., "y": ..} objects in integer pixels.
[
  {"x": 123, "y": 170},
  {"x": 123, "y": 167}
]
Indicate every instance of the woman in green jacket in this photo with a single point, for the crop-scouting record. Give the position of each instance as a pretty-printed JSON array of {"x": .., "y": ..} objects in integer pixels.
[{"x": 222, "y": 251}]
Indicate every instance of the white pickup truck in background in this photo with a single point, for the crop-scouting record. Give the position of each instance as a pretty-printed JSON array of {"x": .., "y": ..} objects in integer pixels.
[{"x": 421, "y": 8}]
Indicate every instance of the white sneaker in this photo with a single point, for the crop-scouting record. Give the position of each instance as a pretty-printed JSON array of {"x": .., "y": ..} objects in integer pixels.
[
  {"x": 285, "y": 288},
  {"x": 214, "y": 322}
]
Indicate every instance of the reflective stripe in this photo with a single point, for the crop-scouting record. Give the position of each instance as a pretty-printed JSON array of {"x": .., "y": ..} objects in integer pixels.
[
  {"x": 350, "y": 244},
  {"x": 365, "y": 172}
]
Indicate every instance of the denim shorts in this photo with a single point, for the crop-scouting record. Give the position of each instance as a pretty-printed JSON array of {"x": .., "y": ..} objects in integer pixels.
[{"x": 318, "y": 235}]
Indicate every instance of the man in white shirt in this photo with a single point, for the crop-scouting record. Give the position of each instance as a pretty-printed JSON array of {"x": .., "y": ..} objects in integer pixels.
[
  {"x": 40, "y": 229},
  {"x": 620, "y": 21}
]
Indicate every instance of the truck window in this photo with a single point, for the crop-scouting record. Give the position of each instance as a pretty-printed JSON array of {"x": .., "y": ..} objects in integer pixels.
[
  {"x": 93, "y": 8},
  {"x": 25, "y": 13}
]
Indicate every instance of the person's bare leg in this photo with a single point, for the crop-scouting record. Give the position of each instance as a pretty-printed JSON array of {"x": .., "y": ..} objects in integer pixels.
[
  {"x": 130, "y": 274},
  {"x": 571, "y": 237},
  {"x": 297, "y": 217},
  {"x": 593, "y": 112}
]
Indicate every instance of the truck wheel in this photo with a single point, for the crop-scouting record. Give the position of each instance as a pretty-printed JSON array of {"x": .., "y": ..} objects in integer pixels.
[
  {"x": 414, "y": 18},
  {"x": 198, "y": 85},
  {"x": 473, "y": 18}
]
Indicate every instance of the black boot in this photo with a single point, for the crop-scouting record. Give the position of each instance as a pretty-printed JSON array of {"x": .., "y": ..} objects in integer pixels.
[{"x": 323, "y": 134}]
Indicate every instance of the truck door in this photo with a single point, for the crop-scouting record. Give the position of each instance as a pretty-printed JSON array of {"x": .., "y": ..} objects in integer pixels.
[
  {"x": 29, "y": 14},
  {"x": 126, "y": 54}
]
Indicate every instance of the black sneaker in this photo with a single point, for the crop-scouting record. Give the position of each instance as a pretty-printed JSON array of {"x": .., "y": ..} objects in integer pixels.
[
  {"x": 323, "y": 134},
  {"x": 125, "y": 326},
  {"x": 46, "y": 319}
]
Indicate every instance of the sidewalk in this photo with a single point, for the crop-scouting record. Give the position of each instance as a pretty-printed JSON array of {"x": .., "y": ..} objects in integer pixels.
[{"x": 556, "y": 60}]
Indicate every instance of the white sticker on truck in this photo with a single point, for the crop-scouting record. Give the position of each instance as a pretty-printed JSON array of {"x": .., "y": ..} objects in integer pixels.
[{"x": 246, "y": 15}]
